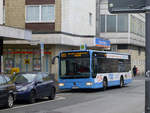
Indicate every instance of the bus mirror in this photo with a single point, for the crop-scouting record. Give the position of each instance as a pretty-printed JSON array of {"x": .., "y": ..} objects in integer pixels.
[{"x": 53, "y": 60}]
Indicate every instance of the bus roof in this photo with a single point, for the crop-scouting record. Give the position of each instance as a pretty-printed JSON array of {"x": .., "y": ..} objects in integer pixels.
[{"x": 108, "y": 52}]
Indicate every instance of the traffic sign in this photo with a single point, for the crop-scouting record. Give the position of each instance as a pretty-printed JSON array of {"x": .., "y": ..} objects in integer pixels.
[
  {"x": 127, "y": 6},
  {"x": 83, "y": 47}
]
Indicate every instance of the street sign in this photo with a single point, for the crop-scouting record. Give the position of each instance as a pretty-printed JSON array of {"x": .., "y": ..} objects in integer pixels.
[
  {"x": 83, "y": 47},
  {"x": 126, "y": 6}
]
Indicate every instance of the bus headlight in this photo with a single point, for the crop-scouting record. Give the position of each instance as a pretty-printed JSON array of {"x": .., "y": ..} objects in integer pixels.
[
  {"x": 89, "y": 83},
  {"x": 61, "y": 84}
]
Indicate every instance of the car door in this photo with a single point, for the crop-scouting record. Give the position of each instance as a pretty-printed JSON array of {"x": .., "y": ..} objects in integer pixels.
[
  {"x": 40, "y": 85},
  {"x": 3, "y": 90}
]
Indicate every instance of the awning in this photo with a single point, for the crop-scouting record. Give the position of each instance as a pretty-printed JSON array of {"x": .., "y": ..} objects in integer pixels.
[{"x": 11, "y": 33}]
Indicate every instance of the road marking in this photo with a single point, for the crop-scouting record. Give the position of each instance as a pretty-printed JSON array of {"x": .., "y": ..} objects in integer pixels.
[{"x": 22, "y": 106}]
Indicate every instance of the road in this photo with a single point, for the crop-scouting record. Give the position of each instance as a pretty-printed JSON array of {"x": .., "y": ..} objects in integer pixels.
[{"x": 129, "y": 99}]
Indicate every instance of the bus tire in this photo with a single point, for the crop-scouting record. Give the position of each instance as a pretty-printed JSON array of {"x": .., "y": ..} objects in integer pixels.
[
  {"x": 104, "y": 84},
  {"x": 121, "y": 82}
]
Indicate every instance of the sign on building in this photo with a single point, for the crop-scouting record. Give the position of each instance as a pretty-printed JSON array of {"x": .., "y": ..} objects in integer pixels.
[
  {"x": 83, "y": 46},
  {"x": 126, "y": 6},
  {"x": 100, "y": 42}
]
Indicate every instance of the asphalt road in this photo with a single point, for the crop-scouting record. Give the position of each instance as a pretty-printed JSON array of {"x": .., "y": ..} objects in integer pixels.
[{"x": 129, "y": 99}]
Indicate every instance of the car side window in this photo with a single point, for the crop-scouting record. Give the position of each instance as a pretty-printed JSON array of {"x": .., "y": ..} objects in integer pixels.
[
  {"x": 8, "y": 79},
  {"x": 39, "y": 78},
  {"x": 2, "y": 81},
  {"x": 46, "y": 77}
]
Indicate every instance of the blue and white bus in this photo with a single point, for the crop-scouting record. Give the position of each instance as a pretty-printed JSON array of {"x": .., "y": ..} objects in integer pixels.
[{"x": 82, "y": 69}]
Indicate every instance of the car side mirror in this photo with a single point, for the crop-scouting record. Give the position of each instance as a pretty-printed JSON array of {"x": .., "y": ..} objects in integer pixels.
[{"x": 38, "y": 82}]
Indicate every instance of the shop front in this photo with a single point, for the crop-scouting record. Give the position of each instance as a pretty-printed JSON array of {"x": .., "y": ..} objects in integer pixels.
[{"x": 26, "y": 60}]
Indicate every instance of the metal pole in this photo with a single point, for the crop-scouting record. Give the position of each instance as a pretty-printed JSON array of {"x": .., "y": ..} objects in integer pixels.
[
  {"x": 42, "y": 57},
  {"x": 147, "y": 81}
]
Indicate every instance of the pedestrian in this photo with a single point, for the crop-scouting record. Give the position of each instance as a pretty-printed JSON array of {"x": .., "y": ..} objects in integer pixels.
[{"x": 134, "y": 70}]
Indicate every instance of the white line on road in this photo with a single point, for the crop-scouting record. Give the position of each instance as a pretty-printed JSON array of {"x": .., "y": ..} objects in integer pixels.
[{"x": 17, "y": 107}]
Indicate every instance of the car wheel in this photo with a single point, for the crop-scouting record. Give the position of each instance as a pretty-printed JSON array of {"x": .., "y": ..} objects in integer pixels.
[
  {"x": 52, "y": 94},
  {"x": 10, "y": 101},
  {"x": 121, "y": 82},
  {"x": 32, "y": 97},
  {"x": 104, "y": 84}
]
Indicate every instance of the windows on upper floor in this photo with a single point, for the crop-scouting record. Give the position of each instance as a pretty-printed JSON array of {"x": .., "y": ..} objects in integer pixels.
[
  {"x": 120, "y": 23},
  {"x": 114, "y": 23},
  {"x": 40, "y": 13}
]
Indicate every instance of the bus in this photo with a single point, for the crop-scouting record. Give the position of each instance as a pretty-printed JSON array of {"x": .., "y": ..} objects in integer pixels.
[{"x": 91, "y": 69}]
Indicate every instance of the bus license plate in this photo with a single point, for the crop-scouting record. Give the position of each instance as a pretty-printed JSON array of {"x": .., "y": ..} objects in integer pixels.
[{"x": 75, "y": 87}]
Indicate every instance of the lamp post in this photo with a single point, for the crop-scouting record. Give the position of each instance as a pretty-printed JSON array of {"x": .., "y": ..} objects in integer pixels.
[{"x": 147, "y": 81}]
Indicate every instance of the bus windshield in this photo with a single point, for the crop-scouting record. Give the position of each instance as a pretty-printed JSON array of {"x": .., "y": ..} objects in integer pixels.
[{"x": 75, "y": 67}]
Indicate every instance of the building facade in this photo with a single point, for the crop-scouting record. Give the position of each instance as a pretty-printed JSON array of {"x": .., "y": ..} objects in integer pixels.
[
  {"x": 126, "y": 33},
  {"x": 59, "y": 24}
]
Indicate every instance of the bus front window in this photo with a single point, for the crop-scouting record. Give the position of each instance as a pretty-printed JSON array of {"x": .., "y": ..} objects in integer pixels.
[{"x": 75, "y": 68}]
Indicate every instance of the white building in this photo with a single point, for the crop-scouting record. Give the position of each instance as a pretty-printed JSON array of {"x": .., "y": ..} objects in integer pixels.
[{"x": 126, "y": 33}]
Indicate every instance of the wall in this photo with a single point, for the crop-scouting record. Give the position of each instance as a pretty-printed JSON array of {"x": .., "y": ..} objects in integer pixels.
[
  {"x": 1, "y": 12},
  {"x": 58, "y": 15},
  {"x": 75, "y": 17},
  {"x": 15, "y": 13}
]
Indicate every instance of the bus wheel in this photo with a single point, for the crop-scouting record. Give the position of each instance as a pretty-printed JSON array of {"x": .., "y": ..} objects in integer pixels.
[
  {"x": 121, "y": 82},
  {"x": 104, "y": 84}
]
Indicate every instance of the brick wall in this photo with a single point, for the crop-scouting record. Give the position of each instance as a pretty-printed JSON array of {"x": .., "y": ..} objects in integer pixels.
[{"x": 15, "y": 13}]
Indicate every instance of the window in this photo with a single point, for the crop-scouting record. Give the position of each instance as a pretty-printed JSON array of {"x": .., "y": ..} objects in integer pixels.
[
  {"x": 102, "y": 23},
  {"x": 101, "y": 64},
  {"x": 137, "y": 26},
  {"x": 122, "y": 46},
  {"x": 39, "y": 78},
  {"x": 123, "y": 23},
  {"x": 47, "y": 13},
  {"x": 33, "y": 13},
  {"x": 111, "y": 23},
  {"x": 90, "y": 18},
  {"x": 2, "y": 81},
  {"x": 8, "y": 80},
  {"x": 46, "y": 77},
  {"x": 40, "y": 13},
  {"x": 75, "y": 67}
]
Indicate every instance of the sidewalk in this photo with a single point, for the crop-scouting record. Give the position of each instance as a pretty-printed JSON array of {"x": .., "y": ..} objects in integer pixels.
[{"x": 139, "y": 77}]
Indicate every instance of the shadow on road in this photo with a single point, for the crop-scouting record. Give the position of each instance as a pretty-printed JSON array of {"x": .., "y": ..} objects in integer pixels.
[{"x": 90, "y": 90}]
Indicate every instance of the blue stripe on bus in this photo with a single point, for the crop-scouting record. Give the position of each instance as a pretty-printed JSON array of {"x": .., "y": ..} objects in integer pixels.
[{"x": 81, "y": 83}]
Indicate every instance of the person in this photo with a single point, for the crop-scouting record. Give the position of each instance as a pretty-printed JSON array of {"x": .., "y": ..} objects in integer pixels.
[{"x": 134, "y": 70}]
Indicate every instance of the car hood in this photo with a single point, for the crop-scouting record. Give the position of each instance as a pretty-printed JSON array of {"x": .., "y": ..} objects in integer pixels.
[{"x": 18, "y": 86}]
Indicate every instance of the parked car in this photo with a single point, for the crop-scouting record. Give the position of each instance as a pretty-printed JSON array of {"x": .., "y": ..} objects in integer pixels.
[
  {"x": 7, "y": 91},
  {"x": 33, "y": 85}
]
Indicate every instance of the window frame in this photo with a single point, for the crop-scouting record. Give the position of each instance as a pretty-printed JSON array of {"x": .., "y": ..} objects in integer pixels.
[{"x": 40, "y": 14}]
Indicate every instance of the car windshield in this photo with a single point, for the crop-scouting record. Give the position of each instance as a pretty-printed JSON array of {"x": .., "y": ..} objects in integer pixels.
[{"x": 24, "y": 78}]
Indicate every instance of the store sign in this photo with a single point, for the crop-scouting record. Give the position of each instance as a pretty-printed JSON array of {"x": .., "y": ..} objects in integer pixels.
[
  {"x": 83, "y": 47},
  {"x": 99, "y": 42},
  {"x": 27, "y": 61},
  {"x": 126, "y": 6}
]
